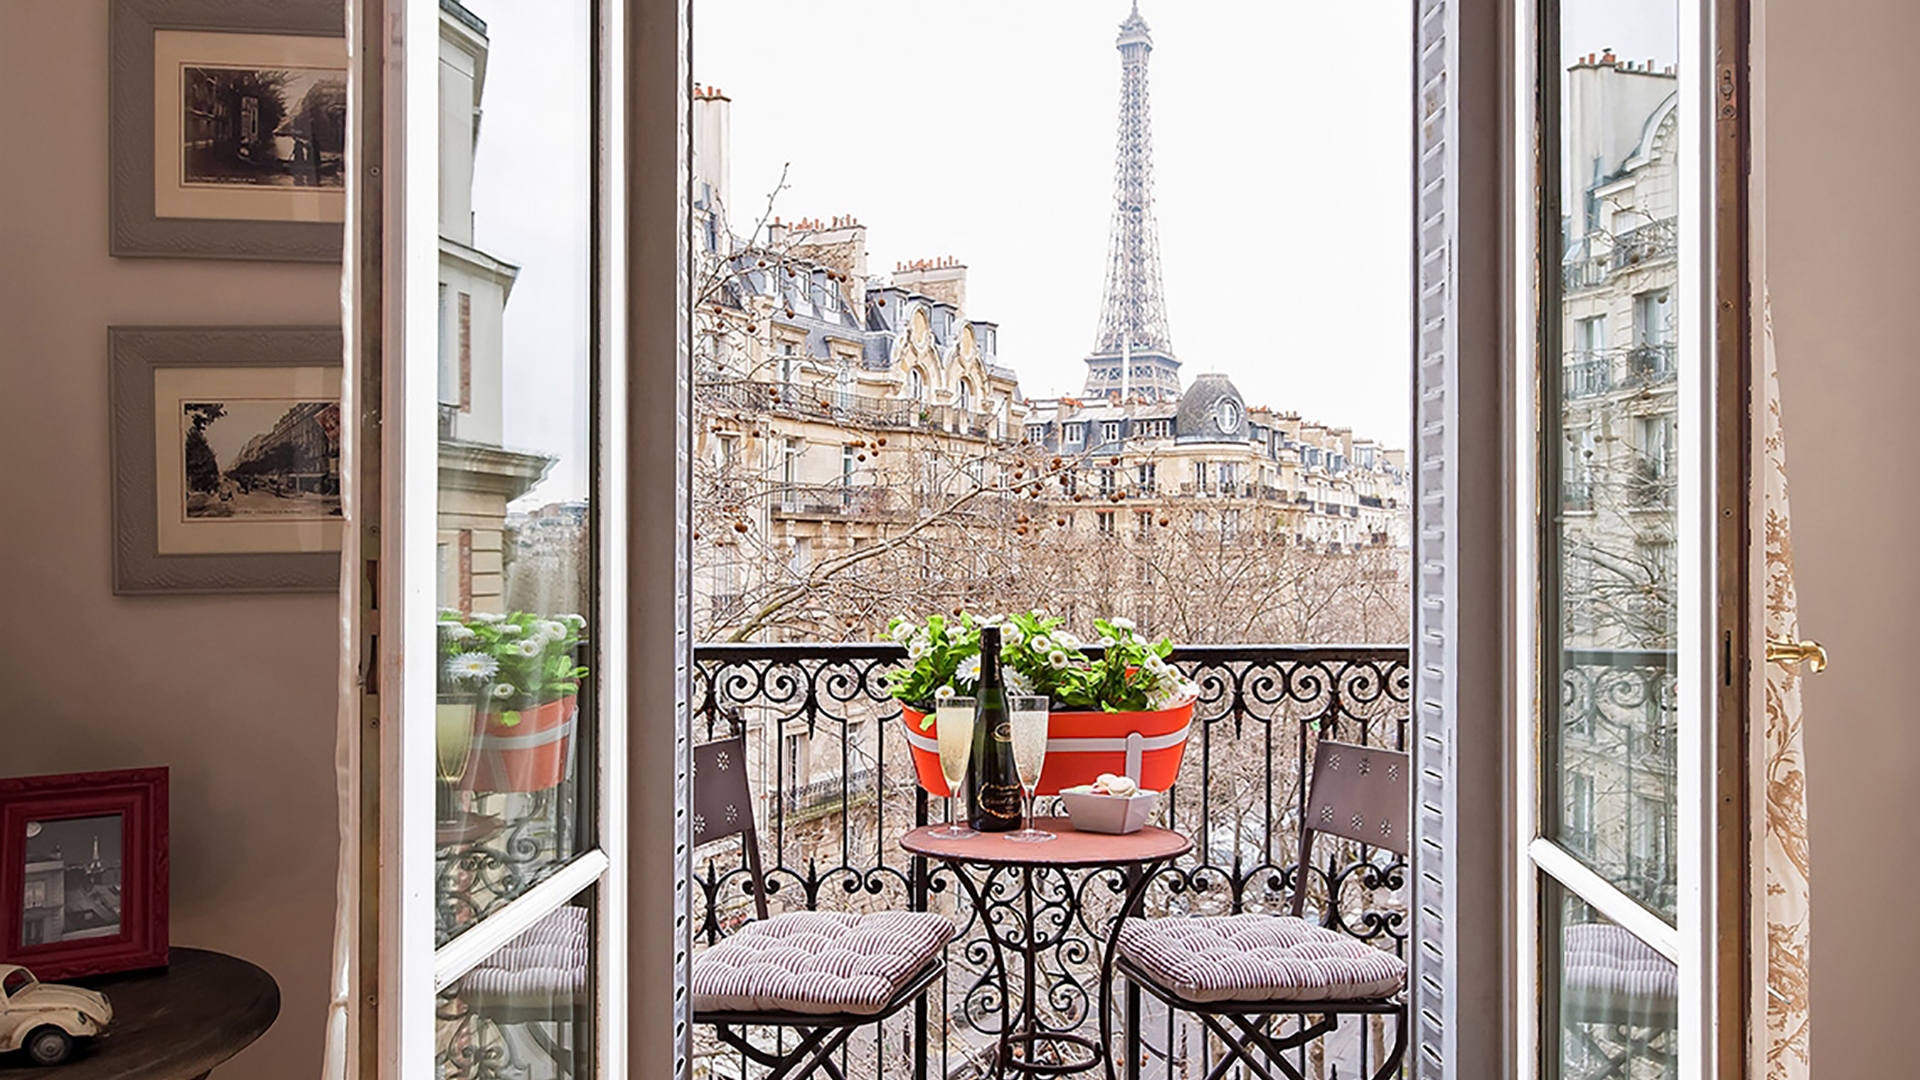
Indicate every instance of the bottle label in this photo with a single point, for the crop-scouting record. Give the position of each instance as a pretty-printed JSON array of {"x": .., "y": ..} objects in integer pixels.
[
  {"x": 999, "y": 801},
  {"x": 1004, "y": 732}
]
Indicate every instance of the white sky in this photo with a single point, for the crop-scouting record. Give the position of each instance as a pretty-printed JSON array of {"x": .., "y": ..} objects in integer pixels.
[
  {"x": 530, "y": 208},
  {"x": 986, "y": 131}
]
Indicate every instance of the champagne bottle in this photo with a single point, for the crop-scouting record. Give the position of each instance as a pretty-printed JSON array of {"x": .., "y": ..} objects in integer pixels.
[{"x": 993, "y": 784}]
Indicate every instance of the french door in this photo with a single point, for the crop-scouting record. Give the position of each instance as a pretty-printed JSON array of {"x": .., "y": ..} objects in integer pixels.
[
  {"x": 489, "y": 364},
  {"x": 1630, "y": 506}
]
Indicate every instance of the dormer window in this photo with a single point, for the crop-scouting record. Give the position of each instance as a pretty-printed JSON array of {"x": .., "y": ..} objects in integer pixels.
[
  {"x": 1227, "y": 416},
  {"x": 1036, "y": 433},
  {"x": 1110, "y": 431},
  {"x": 1074, "y": 434}
]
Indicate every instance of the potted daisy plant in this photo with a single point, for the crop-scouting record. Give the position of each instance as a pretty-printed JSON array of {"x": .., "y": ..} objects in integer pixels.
[
  {"x": 1118, "y": 704},
  {"x": 525, "y": 720}
]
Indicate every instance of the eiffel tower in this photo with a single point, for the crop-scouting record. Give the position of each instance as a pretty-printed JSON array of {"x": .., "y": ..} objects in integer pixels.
[{"x": 1133, "y": 354}]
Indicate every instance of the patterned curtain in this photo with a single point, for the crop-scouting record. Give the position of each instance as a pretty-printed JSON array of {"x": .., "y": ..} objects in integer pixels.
[{"x": 1788, "y": 918}]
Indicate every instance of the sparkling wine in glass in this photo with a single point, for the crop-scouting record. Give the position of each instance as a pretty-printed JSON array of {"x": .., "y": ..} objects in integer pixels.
[
  {"x": 1028, "y": 716},
  {"x": 954, "y": 719}
]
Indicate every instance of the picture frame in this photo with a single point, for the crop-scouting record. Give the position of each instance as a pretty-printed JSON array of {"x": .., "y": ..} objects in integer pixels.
[
  {"x": 225, "y": 451},
  {"x": 84, "y": 872},
  {"x": 226, "y": 129}
]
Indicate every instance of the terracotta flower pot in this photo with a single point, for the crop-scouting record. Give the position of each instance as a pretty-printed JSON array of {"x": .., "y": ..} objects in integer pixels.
[
  {"x": 1147, "y": 746},
  {"x": 532, "y": 755}
]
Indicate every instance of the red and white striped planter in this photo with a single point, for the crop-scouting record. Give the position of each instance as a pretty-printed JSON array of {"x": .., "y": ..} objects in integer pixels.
[
  {"x": 1146, "y": 746},
  {"x": 532, "y": 755}
]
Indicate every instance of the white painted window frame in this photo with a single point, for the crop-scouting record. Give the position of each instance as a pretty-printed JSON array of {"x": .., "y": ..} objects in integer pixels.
[
  {"x": 412, "y": 970},
  {"x": 1690, "y": 940}
]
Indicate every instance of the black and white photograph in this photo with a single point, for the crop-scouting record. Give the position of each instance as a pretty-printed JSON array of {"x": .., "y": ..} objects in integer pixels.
[
  {"x": 72, "y": 880},
  {"x": 263, "y": 127},
  {"x": 260, "y": 459}
]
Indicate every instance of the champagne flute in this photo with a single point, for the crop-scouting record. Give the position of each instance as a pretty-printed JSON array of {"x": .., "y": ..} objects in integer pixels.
[
  {"x": 1028, "y": 718},
  {"x": 954, "y": 719}
]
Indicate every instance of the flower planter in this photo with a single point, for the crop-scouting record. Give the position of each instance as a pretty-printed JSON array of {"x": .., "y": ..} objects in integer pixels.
[
  {"x": 1146, "y": 746},
  {"x": 532, "y": 755}
]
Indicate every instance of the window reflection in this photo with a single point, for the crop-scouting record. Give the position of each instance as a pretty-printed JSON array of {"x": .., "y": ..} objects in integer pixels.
[
  {"x": 1610, "y": 439},
  {"x": 1618, "y": 997},
  {"x": 526, "y": 1011},
  {"x": 514, "y": 550}
]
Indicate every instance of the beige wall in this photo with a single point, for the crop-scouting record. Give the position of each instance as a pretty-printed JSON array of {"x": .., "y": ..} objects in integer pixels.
[
  {"x": 1843, "y": 229},
  {"x": 234, "y": 693}
]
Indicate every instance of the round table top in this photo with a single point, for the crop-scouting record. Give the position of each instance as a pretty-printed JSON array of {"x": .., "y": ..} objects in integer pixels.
[
  {"x": 1068, "y": 848},
  {"x": 171, "y": 1024}
]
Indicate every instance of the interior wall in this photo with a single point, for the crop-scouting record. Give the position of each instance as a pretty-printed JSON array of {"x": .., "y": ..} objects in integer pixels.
[
  {"x": 234, "y": 693},
  {"x": 1841, "y": 157}
]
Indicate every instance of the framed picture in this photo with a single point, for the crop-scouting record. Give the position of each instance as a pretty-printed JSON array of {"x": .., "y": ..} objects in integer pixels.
[
  {"x": 226, "y": 458},
  {"x": 228, "y": 126},
  {"x": 83, "y": 872}
]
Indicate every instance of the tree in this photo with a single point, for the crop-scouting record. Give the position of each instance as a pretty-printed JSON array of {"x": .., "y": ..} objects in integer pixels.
[{"x": 202, "y": 467}]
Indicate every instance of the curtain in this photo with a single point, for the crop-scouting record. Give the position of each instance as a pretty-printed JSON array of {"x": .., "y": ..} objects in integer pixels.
[{"x": 1787, "y": 883}]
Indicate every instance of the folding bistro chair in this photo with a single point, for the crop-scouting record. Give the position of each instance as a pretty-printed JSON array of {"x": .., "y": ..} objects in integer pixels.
[
  {"x": 1238, "y": 973},
  {"x": 821, "y": 973}
]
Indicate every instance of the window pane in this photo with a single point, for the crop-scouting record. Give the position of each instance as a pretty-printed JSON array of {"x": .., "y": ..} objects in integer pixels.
[
  {"x": 515, "y": 544},
  {"x": 1608, "y": 447},
  {"x": 1617, "y": 996},
  {"x": 525, "y": 1012}
]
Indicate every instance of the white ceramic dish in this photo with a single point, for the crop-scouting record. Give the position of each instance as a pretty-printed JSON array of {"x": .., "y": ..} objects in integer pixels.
[{"x": 1109, "y": 813}]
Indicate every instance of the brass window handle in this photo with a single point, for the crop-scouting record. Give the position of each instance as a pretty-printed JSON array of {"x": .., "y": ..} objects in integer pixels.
[{"x": 1794, "y": 652}]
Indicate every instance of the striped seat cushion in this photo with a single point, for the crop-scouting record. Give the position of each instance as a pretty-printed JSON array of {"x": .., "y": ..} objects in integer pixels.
[
  {"x": 1610, "y": 976},
  {"x": 1255, "y": 958},
  {"x": 818, "y": 962}
]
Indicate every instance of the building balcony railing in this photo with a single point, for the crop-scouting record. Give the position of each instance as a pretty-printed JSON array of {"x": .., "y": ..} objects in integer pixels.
[
  {"x": 1636, "y": 248},
  {"x": 1589, "y": 374},
  {"x": 832, "y": 844},
  {"x": 832, "y": 405}
]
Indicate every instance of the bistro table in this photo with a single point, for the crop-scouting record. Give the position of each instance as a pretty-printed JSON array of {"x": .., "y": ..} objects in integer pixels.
[{"x": 1141, "y": 854}]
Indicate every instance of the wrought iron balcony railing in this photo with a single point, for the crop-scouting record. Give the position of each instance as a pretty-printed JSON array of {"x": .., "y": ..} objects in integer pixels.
[{"x": 832, "y": 844}]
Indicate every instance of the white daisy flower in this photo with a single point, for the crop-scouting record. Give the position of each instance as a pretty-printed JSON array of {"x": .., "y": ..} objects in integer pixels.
[
  {"x": 1040, "y": 643},
  {"x": 1013, "y": 636},
  {"x": 552, "y": 630},
  {"x": 510, "y": 630},
  {"x": 472, "y": 665},
  {"x": 943, "y": 693},
  {"x": 503, "y": 690},
  {"x": 578, "y": 622},
  {"x": 917, "y": 649},
  {"x": 1016, "y": 682},
  {"x": 1121, "y": 623},
  {"x": 530, "y": 647},
  {"x": 453, "y": 631},
  {"x": 1106, "y": 642},
  {"x": 1066, "y": 639},
  {"x": 992, "y": 620},
  {"x": 1058, "y": 659},
  {"x": 902, "y": 629},
  {"x": 969, "y": 671}
]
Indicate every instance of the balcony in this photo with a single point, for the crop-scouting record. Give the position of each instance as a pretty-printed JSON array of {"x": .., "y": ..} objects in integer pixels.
[
  {"x": 1644, "y": 246},
  {"x": 831, "y": 844},
  {"x": 829, "y": 404}
]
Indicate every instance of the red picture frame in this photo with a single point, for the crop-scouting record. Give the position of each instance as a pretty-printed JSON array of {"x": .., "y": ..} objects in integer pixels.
[{"x": 98, "y": 897}]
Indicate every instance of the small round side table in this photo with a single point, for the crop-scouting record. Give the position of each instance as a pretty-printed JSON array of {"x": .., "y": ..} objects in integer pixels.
[
  {"x": 1140, "y": 853},
  {"x": 174, "y": 1024}
]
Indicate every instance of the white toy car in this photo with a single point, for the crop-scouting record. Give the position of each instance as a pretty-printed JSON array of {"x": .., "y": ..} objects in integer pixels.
[{"x": 45, "y": 1018}]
